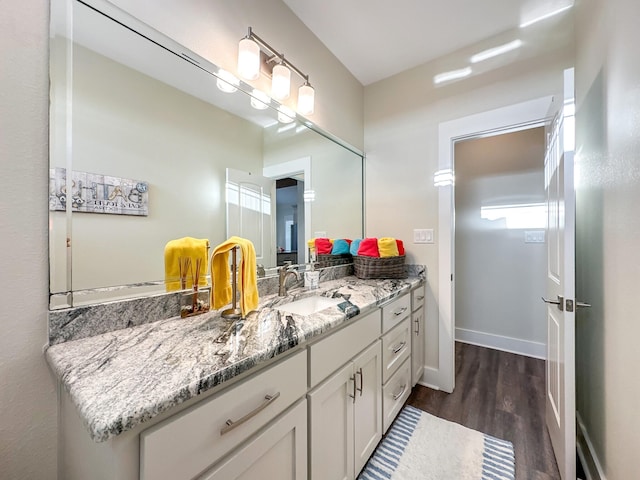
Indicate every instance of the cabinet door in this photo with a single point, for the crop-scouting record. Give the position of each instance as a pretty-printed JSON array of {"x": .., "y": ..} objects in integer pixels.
[
  {"x": 279, "y": 452},
  {"x": 331, "y": 424},
  {"x": 417, "y": 345},
  {"x": 368, "y": 406}
]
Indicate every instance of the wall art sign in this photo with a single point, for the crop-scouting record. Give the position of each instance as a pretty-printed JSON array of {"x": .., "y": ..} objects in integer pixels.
[{"x": 95, "y": 193}]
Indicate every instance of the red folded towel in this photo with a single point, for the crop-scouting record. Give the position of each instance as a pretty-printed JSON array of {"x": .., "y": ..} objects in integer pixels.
[
  {"x": 323, "y": 246},
  {"x": 369, "y": 248},
  {"x": 400, "y": 247}
]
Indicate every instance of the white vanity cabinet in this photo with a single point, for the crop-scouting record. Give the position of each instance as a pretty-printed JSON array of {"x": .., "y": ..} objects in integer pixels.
[
  {"x": 396, "y": 353},
  {"x": 417, "y": 334},
  {"x": 187, "y": 443},
  {"x": 345, "y": 418},
  {"x": 280, "y": 451}
]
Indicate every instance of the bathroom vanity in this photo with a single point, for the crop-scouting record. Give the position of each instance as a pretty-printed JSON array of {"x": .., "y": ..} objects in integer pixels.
[{"x": 277, "y": 395}]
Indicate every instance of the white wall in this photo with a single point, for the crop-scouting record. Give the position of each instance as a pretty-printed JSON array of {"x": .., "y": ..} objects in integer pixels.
[
  {"x": 608, "y": 229},
  {"x": 28, "y": 411},
  {"x": 213, "y": 28},
  {"x": 402, "y": 115},
  {"x": 499, "y": 277}
]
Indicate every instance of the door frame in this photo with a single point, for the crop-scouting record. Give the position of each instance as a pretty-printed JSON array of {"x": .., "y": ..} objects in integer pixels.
[
  {"x": 512, "y": 118},
  {"x": 287, "y": 169}
]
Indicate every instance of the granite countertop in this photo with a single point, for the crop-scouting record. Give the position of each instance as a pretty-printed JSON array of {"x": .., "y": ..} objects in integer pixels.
[{"x": 120, "y": 379}]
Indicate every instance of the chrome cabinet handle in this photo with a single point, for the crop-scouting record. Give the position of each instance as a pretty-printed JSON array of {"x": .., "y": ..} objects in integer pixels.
[
  {"x": 420, "y": 298},
  {"x": 400, "y": 312},
  {"x": 359, "y": 372},
  {"x": 399, "y": 394},
  {"x": 417, "y": 326},
  {"x": 582, "y": 304},
  {"x": 353, "y": 379},
  {"x": 230, "y": 424},
  {"x": 400, "y": 346}
]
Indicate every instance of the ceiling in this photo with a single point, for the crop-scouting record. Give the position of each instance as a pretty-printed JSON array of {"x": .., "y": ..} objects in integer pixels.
[{"x": 376, "y": 39}]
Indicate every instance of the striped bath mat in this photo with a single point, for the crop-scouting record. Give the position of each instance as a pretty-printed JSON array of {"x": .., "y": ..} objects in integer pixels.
[{"x": 421, "y": 446}]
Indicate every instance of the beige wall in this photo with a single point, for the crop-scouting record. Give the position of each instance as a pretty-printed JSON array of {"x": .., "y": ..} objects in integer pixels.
[
  {"x": 608, "y": 229},
  {"x": 28, "y": 417},
  {"x": 213, "y": 28},
  {"x": 402, "y": 115},
  {"x": 500, "y": 277}
]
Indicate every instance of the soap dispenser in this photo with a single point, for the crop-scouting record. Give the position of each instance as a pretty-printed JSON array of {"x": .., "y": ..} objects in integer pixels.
[{"x": 311, "y": 277}]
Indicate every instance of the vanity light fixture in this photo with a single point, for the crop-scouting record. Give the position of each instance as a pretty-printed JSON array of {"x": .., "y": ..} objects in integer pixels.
[
  {"x": 250, "y": 52},
  {"x": 259, "y": 99},
  {"x": 227, "y": 81},
  {"x": 285, "y": 114}
]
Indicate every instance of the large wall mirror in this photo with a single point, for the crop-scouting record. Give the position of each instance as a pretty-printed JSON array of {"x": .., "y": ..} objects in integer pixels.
[{"x": 158, "y": 151}]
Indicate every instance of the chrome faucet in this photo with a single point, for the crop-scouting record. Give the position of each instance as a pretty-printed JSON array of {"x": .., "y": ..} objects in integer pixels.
[{"x": 283, "y": 273}]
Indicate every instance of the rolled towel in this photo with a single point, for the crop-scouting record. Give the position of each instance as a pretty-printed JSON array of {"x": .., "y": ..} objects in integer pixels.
[
  {"x": 323, "y": 246},
  {"x": 369, "y": 248},
  {"x": 387, "y": 247},
  {"x": 400, "y": 247},
  {"x": 353, "y": 248},
  {"x": 340, "y": 247}
]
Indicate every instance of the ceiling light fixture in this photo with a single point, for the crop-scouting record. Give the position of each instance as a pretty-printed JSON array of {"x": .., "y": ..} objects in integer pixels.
[
  {"x": 545, "y": 16},
  {"x": 452, "y": 75},
  {"x": 250, "y": 61},
  {"x": 495, "y": 51}
]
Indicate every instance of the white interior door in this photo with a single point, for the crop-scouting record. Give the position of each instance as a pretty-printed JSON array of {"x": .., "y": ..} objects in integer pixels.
[
  {"x": 251, "y": 212},
  {"x": 560, "y": 365}
]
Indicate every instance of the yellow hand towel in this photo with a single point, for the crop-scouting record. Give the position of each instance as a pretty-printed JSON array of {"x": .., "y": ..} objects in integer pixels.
[
  {"x": 179, "y": 250},
  {"x": 388, "y": 247},
  {"x": 247, "y": 282}
]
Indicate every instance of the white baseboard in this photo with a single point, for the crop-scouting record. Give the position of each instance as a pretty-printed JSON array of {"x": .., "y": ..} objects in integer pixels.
[
  {"x": 587, "y": 453},
  {"x": 499, "y": 342}
]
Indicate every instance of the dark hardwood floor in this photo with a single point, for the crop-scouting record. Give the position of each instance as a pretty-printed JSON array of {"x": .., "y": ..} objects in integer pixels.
[{"x": 501, "y": 394}]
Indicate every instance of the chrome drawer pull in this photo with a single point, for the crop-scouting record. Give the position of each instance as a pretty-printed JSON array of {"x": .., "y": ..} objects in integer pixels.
[
  {"x": 400, "y": 312},
  {"x": 400, "y": 346},
  {"x": 230, "y": 424},
  {"x": 359, "y": 372},
  {"x": 398, "y": 395},
  {"x": 417, "y": 326},
  {"x": 353, "y": 378},
  {"x": 420, "y": 298}
]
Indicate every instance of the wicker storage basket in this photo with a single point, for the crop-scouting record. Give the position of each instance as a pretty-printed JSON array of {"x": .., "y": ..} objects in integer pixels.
[
  {"x": 331, "y": 260},
  {"x": 375, "y": 267}
]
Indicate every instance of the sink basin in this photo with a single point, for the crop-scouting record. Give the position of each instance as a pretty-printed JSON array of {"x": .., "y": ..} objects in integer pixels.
[{"x": 309, "y": 305}]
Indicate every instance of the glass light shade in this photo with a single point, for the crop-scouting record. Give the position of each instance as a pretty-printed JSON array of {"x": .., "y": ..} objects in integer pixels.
[
  {"x": 259, "y": 99},
  {"x": 285, "y": 114},
  {"x": 227, "y": 82},
  {"x": 280, "y": 82},
  {"x": 306, "y": 96},
  {"x": 248, "y": 59}
]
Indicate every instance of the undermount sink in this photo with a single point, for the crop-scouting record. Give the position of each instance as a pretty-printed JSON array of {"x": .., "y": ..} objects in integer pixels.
[{"x": 309, "y": 305}]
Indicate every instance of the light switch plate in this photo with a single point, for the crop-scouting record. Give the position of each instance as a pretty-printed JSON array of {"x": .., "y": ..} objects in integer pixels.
[
  {"x": 534, "y": 236},
  {"x": 423, "y": 235}
]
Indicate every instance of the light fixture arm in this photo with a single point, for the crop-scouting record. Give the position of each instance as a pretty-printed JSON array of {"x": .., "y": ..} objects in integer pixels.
[{"x": 276, "y": 55}]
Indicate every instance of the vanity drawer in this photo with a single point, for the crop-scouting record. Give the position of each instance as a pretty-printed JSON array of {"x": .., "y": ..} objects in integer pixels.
[
  {"x": 396, "y": 348},
  {"x": 395, "y": 393},
  {"x": 185, "y": 445},
  {"x": 417, "y": 298},
  {"x": 396, "y": 311},
  {"x": 329, "y": 354}
]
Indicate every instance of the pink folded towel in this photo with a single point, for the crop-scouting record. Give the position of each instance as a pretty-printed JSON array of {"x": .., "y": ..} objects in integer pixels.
[{"x": 369, "y": 248}]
